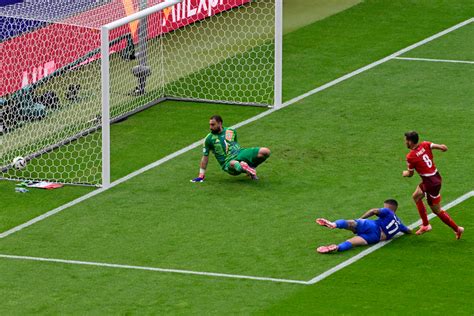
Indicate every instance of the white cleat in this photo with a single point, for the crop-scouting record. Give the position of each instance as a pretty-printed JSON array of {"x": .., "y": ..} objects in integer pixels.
[
  {"x": 459, "y": 232},
  {"x": 424, "y": 229}
]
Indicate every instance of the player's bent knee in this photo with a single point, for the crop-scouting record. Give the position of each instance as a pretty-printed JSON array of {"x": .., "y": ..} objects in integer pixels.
[
  {"x": 436, "y": 211},
  {"x": 352, "y": 224},
  {"x": 434, "y": 201},
  {"x": 357, "y": 241},
  {"x": 417, "y": 196},
  {"x": 436, "y": 208}
]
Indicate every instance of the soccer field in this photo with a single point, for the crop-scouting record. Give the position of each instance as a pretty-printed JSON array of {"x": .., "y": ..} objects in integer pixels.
[{"x": 157, "y": 243}]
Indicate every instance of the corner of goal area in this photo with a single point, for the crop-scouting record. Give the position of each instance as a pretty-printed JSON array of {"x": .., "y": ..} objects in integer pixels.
[{"x": 152, "y": 269}]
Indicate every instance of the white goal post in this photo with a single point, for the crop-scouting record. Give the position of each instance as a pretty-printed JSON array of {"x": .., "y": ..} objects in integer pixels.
[{"x": 100, "y": 61}]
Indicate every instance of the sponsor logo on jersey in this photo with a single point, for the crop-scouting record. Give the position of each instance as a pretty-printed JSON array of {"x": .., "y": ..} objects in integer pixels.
[
  {"x": 229, "y": 135},
  {"x": 190, "y": 10}
]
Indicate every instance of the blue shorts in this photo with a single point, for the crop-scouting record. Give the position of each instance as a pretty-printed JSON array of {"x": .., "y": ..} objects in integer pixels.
[{"x": 369, "y": 230}]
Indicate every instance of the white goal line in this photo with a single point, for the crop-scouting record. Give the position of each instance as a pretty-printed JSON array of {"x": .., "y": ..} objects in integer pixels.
[
  {"x": 257, "y": 117},
  {"x": 436, "y": 60},
  {"x": 314, "y": 280}
]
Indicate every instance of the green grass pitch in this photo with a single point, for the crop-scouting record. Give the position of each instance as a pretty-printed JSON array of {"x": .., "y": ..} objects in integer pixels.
[{"x": 334, "y": 154}]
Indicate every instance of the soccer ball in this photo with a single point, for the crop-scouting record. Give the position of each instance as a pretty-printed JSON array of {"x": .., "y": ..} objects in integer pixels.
[{"x": 19, "y": 163}]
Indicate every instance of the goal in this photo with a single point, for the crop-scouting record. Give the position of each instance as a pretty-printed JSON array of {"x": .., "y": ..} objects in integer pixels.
[{"x": 71, "y": 70}]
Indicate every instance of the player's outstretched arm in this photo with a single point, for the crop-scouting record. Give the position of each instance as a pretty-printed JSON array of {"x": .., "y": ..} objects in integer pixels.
[
  {"x": 408, "y": 173},
  {"x": 441, "y": 147},
  {"x": 202, "y": 169},
  {"x": 371, "y": 212},
  {"x": 405, "y": 229}
]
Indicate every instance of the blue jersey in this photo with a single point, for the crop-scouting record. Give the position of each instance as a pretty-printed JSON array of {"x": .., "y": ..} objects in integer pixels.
[{"x": 390, "y": 223}]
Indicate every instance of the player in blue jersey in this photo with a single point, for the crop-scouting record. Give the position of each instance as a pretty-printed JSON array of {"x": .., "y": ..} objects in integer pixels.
[{"x": 368, "y": 231}]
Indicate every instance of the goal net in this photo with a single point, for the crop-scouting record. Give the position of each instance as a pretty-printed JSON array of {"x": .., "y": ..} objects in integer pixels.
[{"x": 70, "y": 70}]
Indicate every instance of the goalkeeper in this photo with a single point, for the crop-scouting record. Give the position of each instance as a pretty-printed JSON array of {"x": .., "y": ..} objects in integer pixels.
[{"x": 233, "y": 159}]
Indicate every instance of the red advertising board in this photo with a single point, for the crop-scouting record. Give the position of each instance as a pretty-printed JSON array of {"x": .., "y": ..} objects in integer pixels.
[
  {"x": 190, "y": 11},
  {"x": 29, "y": 57}
]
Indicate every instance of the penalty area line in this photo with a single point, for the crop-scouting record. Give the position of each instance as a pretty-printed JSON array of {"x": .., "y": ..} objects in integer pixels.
[
  {"x": 435, "y": 60},
  {"x": 122, "y": 266},
  {"x": 245, "y": 122},
  {"x": 379, "y": 245}
]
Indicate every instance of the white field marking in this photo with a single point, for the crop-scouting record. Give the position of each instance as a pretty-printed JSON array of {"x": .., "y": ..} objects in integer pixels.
[
  {"x": 250, "y": 120},
  {"x": 379, "y": 245},
  {"x": 121, "y": 266},
  {"x": 236, "y": 276},
  {"x": 381, "y": 61},
  {"x": 436, "y": 60}
]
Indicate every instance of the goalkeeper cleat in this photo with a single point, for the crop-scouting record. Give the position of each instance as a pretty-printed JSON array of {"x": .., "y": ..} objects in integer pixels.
[
  {"x": 459, "y": 232},
  {"x": 327, "y": 249},
  {"x": 250, "y": 171},
  {"x": 325, "y": 222},
  {"x": 253, "y": 177},
  {"x": 423, "y": 229}
]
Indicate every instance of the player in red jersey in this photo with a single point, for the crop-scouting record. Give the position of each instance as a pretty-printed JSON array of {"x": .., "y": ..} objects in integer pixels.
[{"x": 420, "y": 158}]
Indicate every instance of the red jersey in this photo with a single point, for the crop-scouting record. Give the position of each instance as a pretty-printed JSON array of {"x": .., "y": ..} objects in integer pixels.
[{"x": 421, "y": 160}]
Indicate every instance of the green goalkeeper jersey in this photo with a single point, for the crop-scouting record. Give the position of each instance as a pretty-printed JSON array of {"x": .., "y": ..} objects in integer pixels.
[{"x": 224, "y": 146}]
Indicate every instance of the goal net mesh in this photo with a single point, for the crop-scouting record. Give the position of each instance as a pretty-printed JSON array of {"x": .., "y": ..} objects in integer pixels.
[{"x": 50, "y": 71}]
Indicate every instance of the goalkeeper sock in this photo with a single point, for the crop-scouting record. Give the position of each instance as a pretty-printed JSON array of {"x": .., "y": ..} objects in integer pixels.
[
  {"x": 344, "y": 246},
  {"x": 341, "y": 224},
  {"x": 237, "y": 166}
]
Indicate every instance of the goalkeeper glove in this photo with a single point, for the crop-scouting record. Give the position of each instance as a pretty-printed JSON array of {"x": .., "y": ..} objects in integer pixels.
[{"x": 200, "y": 177}]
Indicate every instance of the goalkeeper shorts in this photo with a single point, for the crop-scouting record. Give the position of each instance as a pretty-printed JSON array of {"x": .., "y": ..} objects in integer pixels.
[{"x": 249, "y": 155}]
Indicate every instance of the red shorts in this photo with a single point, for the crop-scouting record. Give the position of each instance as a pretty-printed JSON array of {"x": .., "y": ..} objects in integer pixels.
[{"x": 431, "y": 186}]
